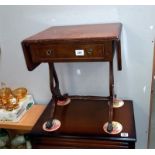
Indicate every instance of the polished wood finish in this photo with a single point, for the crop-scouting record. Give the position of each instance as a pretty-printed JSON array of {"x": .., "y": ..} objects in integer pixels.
[
  {"x": 78, "y": 143},
  {"x": 27, "y": 121},
  {"x": 63, "y": 40},
  {"x": 97, "y": 32},
  {"x": 66, "y": 53},
  {"x": 82, "y": 125},
  {"x": 83, "y": 119},
  {"x": 98, "y": 42}
]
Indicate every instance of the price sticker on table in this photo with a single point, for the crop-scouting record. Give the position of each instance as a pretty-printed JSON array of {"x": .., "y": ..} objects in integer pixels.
[
  {"x": 79, "y": 52},
  {"x": 124, "y": 134}
]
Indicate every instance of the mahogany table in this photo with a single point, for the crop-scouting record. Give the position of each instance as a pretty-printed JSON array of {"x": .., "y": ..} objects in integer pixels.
[{"x": 83, "y": 118}]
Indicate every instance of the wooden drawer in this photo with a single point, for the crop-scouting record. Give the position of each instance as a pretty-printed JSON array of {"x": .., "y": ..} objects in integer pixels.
[
  {"x": 39, "y": 142},
  {"x": 71, "y": 52}
]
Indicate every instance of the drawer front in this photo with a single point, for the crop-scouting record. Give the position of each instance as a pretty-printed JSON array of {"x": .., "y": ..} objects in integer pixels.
[
  {"x": 54, "y": 142},
  {"x": 71, "y": 52}
]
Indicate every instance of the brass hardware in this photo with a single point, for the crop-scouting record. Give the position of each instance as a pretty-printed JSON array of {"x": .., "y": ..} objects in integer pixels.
[
  {"x": 90, "y": 51},
  {"x": 49, "y": 52}
]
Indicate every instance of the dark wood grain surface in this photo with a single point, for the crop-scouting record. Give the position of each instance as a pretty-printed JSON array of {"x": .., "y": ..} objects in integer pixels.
[
  {"x": 62, "y": 41},
  {"x": 82, "y": 125},
  {"x": 85, "y": 118},
  {"x": 66, "y": 52},
  {"x": 79, "y": 32}
]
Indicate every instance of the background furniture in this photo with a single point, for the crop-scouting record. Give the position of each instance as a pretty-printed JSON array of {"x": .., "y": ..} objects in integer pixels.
[{"x": 27, "y": 121}]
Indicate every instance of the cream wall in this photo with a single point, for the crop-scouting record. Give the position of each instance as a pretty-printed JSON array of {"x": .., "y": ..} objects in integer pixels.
[{"x": 133, "y": 82}]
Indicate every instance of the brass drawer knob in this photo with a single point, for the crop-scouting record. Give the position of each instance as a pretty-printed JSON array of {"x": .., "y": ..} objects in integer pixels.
[
  {"x": 49, "y": 52},
  {"x": 90, "y": 51}
]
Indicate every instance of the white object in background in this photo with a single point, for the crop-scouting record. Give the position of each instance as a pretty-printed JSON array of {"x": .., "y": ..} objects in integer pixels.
[
  {"x": 28, "y": 145},
  {"x": 16, "y": 114}
]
